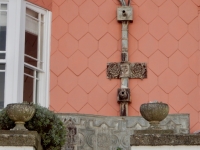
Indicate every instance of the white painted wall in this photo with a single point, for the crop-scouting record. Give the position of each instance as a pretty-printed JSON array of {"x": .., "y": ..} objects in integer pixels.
[
  {"x": 16, "y": 148},
  {"x": 165, "y": 147}
]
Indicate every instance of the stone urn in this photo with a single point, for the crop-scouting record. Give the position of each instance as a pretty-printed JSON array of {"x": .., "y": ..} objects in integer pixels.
[
  {"x": 20, "y": 113},
  {"x": 154, "y": 113}
]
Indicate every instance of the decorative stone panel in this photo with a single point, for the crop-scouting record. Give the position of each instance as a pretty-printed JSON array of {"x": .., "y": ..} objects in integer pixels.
[{"x": 92, "y": 132}]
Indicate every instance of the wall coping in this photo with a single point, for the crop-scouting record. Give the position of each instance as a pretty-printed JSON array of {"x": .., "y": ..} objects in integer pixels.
[
  {"x": 20, "y": 138},
  {"x": 164, "y": 139}
]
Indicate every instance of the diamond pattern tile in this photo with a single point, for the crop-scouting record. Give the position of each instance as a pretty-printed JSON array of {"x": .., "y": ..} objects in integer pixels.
[
  {"x": 194, "y": 99},
  {"x": 97, "y": 98},
  {"x": 70, "y": 80},
  {"x": 116, "y": 57},
  {"x": 114, "y": 29},
  {"x": 194, "y": 62},
  {"x": 188, "y": 11},
  {"x": 158, "y": 28},
  {"x": 60, "y": 24},
  {"x": 177, "y": 28},
  {"x": 78, "y": 63},
  {"x": 133, "y": 45},
  {"x": 55, "y": 10},
  {"x": 132, "y": 111},
  {"x": 167, "y": 15},
  {"x": 54, "y": 45},
  {"x": 88, "y": 45},
  {"x": 188, "y": 45},
  {"x": 58, "y": 2},
  {"x": 77, "y": 101},
  {"x": 58, "y": 63},
  {"x": 193, "y": 114},
  {"x": 97, "y": 63},
  {"x": 193, "y": 28},
  {"x": 178, "y": 62},
  {"x": 148, "y": 84},
  {"x": 187, "y": 81},
  {"x": 148, "y": 11},
  {"x": 68, "y": 10},
  {"x": 178, "y": 99},
  {"x": 106, "y": 84},
  {"x": 159, "y": 2},
  {"x": 138, "y": 97},
  {"x": 98, "y": 28},
  {"x": 107, "y": 11},
  {"x": 199, "y": 80},
  {"x": 112, "y": 99},
  {"x": 178, "y": 2},
  {"x": 159, "y": 95},
  {"x": 138, "y": 29},
  {"x": 87, "y": 109},
  {"x": 139, "y": 2},
  {"x": 107, "y": 110},
  {"x": 148, "y": 45},
  {"x": 68, "y": 45},
  {"x": 53, "y": 79},
  {"x": 99, "y": 2},
  {"x": 67, "y": 109},
  {"x": 88, "y": 11},
  {"x": 78, "y": 28},
  {"x": 172, "y": 110},
  {"x": 138, "y": 57},
  {"x": 158, "y": 62},
  {"x": 168, "y": 80},
  {"x": 79, "y": 2},
  {"x": 58, "y": 98},
  {"x": 107, "y": 45},
  {"x": 87, "y": 80},
  {"x": 168, "y": 45},
  {"x": 197, "y": 2}
]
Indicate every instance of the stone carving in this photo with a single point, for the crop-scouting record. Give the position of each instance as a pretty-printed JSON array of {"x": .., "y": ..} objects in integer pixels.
[
  {"x": 126, "y": 70},
  {"x": 138, "y": 70},
  {"x": 113, "y": 70},
  {"x": 92, "y": 132}
]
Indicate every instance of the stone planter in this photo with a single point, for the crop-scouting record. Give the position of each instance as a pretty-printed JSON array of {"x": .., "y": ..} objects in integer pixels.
[
  {"x": 154, "y": 113},
  {"x": 20, "y": 113}
]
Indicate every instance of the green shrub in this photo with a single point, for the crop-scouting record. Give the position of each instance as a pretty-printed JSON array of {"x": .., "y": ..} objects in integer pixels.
[{"x": 45, "y": 122}]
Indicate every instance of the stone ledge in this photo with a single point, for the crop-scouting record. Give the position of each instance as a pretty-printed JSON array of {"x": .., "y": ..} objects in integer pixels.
[
  {"x": 164, "y": 139},
  {"x": 20, "y": 138}
]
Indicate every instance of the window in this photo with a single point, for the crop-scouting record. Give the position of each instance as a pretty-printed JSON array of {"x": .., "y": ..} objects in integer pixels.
[
  {"x": 36, "y": 56},
  {"x": 24, "y": 53},
  {"x": 3, "y": 25}
]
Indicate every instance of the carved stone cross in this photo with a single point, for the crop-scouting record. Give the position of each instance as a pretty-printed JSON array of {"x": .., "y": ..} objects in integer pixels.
[{"x": 125, "y": 70}]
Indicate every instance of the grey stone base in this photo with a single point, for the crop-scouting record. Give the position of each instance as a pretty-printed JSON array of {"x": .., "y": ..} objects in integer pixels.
[
  {"x": 20, "y": 138},
  {"x": 92, "y": 132},
  {"x": 149, "y": 131},
  {"x": 164, "y": 139}
]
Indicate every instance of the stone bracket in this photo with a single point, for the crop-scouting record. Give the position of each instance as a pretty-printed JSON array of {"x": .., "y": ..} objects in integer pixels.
[
  {"x": 123, "y": 95},
  {"x": 125, "y": 13},
  {"x": 126, "y": 70}
]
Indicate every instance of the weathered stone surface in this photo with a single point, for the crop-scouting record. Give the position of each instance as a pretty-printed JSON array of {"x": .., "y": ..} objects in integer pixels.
[
  {"x": 164, "y": 139},
  {"x": 20, "y": 138},
  {"x": 92, "y": 132},
  {"x": 153, "y": 131}
]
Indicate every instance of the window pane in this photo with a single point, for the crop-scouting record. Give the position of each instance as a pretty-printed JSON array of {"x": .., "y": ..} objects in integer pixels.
[
  {"x": 2, "y": 82},
  {"x": 31, "y": 49},
  {"x": 28, "y": 89},
  {"x": 2, "y": 66}
]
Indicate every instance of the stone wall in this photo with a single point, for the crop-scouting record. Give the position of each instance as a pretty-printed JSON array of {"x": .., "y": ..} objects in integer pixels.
[{"x": 92, "y": 132}]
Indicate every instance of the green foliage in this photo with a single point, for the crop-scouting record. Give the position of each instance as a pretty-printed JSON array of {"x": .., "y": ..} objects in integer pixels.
[
  {"x": 119, "y": 148},
  {"x": 45, "y": 122}
]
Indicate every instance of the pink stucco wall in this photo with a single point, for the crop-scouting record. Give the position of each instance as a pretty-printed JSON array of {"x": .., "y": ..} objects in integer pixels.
[
  {"x": 86, "y": 35},
  {"x": 42, "y": 3}
]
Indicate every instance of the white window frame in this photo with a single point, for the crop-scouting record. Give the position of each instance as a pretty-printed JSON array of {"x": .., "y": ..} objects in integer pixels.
[{"x": 15, "y": 53}]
